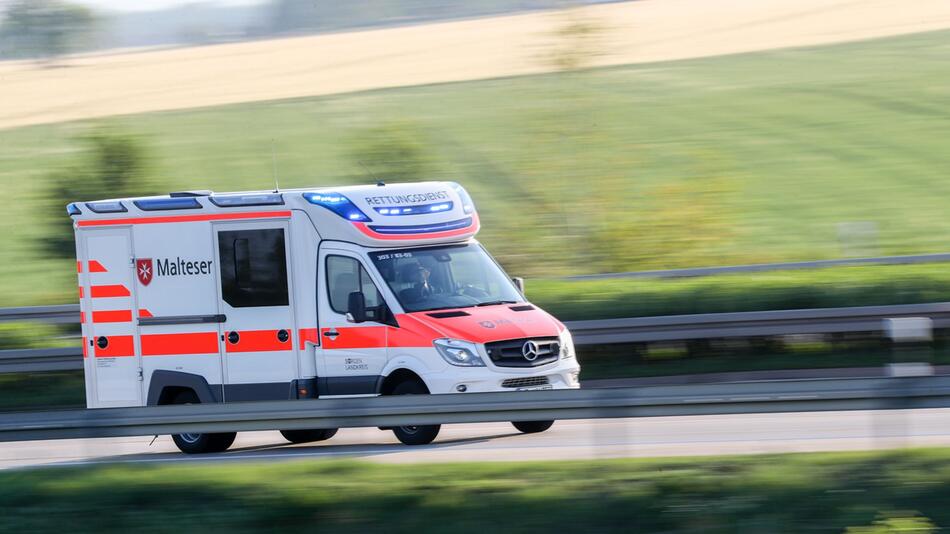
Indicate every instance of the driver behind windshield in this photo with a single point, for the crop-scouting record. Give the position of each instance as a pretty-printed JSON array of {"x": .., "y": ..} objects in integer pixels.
[
  {"x": 417, "y": 277},
  {"x": 452, "y": 276}
]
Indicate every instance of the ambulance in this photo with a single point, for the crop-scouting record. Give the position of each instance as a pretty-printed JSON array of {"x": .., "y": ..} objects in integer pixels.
[{"x": 202, "y": 297}]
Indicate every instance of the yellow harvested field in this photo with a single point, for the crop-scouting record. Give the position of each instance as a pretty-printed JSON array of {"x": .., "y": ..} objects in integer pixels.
[{"x": 632, "y": 32}]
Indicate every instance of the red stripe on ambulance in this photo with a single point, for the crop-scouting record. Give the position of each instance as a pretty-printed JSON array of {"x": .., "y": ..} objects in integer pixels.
[
  {"x": 112, "y": 316},
  {"x": 96, "y": 267},
  {"x": 258, "y": 341},
  {"x": 309, "y": 334},
  {"x": 174, "y": 344},
  {"x": 187, "y": 218},
  {"x": 356, "y": 337},
  {"x": 117, "y": 290},
  {"x": 117, "y": 347}
]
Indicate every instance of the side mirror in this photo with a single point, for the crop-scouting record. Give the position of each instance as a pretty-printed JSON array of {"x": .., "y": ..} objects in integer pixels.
[
  {"x": 519, "y": 283},
  {"x": 356, "y": 307}
]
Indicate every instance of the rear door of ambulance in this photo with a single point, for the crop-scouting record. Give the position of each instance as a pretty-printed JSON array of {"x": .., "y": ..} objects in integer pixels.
[
  {"x": 255, "y": 297},
  {"x": 109, "y": 314}
]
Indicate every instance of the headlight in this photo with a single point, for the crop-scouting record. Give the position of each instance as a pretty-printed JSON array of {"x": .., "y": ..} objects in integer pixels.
[
  {"x": 567, "y": 344},
  {"x": 459, "y": 353}
]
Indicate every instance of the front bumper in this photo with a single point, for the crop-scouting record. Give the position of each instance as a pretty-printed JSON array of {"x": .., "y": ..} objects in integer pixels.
[{"x": 562, "y": 374}]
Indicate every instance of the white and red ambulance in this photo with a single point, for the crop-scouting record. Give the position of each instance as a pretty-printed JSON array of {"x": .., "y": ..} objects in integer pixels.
[{"x": 200, "y": 297}]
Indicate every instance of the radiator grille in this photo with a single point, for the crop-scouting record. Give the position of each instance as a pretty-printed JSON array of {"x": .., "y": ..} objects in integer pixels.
[
  {"x": 511, "y": 353},
  {"x": 525, "y": 382}
]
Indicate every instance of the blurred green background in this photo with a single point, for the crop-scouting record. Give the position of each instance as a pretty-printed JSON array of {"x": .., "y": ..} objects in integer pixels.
[{"x": 793, "y": 154}]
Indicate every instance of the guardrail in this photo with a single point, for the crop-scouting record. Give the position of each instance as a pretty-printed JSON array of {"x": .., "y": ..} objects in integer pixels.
[
  {"x": 611, "y": 331},
  {"x": 40, "y": 360},
  {"x": 63, "y": 314},
  {"x": 753, "y": 324},
  {"x": 749, "y": 397},
  {"x": 764, "y": 267}
]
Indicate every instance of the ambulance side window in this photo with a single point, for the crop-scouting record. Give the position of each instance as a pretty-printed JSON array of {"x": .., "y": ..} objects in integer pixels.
[
  {"x": 253, "y": 267},
  {"x": 344, "y": 276}
]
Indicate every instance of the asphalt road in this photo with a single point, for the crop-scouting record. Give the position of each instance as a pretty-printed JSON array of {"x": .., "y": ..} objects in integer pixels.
[{"x": 582, "y": 439}]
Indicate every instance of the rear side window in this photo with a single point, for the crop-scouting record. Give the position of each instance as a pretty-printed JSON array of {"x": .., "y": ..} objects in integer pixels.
[
  {"x": 253, "y": 267},
  {"x": 344, "y": 276}
]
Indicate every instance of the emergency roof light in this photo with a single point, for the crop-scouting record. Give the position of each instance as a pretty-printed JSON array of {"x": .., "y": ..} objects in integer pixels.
[
  {"x": 338, "y": 204},
  {"x": 107, "y": 206},
  {"x": 233, "y": 201},
  {"x": 175, "y": 203},
  {"x": 467, "y": 205},
  {"x": 415, "y": 210}
]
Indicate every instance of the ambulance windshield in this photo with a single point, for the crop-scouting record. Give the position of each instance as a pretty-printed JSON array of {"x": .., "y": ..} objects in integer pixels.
[{"x": 455, "y": 276}]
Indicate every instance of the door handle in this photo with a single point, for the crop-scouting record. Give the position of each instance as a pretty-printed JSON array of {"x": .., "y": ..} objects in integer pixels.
[{"x": 332, "y": 334}]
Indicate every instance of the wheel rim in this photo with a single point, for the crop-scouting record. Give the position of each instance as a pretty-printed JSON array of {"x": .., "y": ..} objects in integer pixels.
[
  {"x": 409, "y": 429},
  {"x": 190, "y": 438}
]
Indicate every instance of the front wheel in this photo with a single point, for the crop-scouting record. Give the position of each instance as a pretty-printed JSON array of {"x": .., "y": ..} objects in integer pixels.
[
  {"x": 200, "y": 443},
  {"x": 307, "y": 436},
  {"x": 532, "y": 427},
  {"x": 414, "y": 435}
]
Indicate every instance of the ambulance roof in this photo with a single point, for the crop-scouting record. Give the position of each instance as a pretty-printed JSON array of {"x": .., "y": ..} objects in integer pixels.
[{"x": 383, "y": 215}]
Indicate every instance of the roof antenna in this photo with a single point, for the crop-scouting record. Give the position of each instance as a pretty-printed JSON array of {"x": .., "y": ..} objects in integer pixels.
[
  {"x": 379, "y": 181},
  {"x": 273, "y": 160}
]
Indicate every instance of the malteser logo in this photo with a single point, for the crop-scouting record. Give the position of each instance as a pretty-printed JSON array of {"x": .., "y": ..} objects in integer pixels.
[
  {"x": 143, "y": 268},
  {"x": 180, "y": 267},
  {"x": 146, "y": 269}
]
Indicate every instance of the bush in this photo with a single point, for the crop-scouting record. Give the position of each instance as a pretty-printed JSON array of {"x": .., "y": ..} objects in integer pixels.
[{"x": 113, "y": 165}]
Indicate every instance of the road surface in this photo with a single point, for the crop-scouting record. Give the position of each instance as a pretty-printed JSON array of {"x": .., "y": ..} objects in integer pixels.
[{"x": 567, "y": 440}]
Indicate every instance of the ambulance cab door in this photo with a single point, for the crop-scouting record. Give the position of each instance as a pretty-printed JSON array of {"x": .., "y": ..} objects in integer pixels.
[
  {"x": 256, "y": 299},
  {"x": 109, "y": 313},
  {"x": 351, "y": 355}
]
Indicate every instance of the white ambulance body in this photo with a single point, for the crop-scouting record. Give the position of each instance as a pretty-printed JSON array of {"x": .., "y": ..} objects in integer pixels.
[{"x": 369, "y": 290}]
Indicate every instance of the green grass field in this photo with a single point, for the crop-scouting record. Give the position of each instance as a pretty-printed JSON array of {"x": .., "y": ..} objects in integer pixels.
[
  {"x": 778, "y": 290},
  {"x": 747, "y": 158},
  {"x": 774, "y": 493}
]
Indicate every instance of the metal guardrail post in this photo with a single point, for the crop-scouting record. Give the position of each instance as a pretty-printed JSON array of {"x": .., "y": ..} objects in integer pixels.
[{"x": 911, "y": 344}]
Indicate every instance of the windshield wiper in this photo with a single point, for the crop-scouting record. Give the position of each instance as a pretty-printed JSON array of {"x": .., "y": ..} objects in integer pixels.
[{"x": 495, "y": 303}]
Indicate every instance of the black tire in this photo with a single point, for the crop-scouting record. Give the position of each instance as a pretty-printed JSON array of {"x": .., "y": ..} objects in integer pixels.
[
  {"x": 414, "y": 435},
  {"x": 307, "y": 436},
  {"x": 532, "y": 427},
  {"x": 200, "y": 443}
]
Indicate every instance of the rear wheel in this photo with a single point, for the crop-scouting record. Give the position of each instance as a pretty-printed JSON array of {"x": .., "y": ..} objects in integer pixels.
[
  {"x": 307, "y": 436},
  {"x": 532, "y": 427},
  {"x": 200, "y": 443},
  {"x": 414, "y": 435}
]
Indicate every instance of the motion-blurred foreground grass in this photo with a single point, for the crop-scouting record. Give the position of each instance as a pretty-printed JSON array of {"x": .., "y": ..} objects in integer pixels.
[
  {"x": 773, "y": 493},
  {"x": 749, "y": 158}
]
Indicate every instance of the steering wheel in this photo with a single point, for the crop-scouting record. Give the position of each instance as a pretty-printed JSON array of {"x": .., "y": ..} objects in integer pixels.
[{"x": 471, "y": 291}]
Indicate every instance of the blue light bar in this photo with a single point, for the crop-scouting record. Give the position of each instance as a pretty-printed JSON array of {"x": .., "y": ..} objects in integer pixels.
[
  {"x": 177, "y": 203},
  {"x": 420, "y": 209},
  {"x": 467, "y": 205},
  {"x": 338, "y": 204},
  {"x": 73, "y": 209},
  {"x": 109, "y": 206},
  {"x": 233, "y": 201},
  {"x": 423, "y": 228}
]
